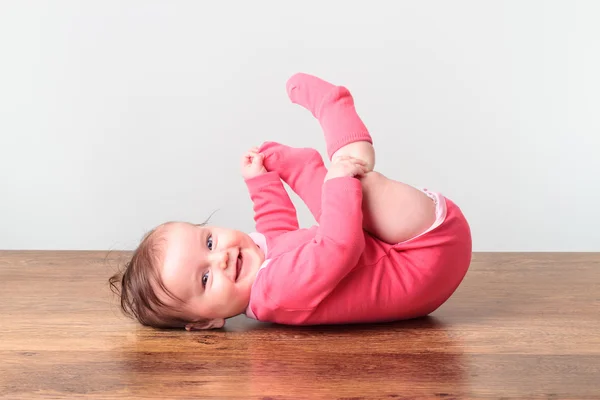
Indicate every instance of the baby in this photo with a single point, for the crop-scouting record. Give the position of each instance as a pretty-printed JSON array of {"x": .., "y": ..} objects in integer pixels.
[{"x": 382, "y": 250}]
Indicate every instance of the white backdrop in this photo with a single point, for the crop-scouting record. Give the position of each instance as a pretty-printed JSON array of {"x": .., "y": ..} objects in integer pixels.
[{"x": 116, "y": 116}]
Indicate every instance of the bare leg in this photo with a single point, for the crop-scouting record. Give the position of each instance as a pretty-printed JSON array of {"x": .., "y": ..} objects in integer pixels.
[{"x": 394, "y": 211}]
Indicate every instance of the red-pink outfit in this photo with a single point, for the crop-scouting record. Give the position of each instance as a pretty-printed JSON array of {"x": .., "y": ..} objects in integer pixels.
[{"x": 336, "y": 272}]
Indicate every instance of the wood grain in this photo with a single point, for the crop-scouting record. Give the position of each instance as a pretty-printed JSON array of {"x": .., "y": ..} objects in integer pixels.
[{"x": 522, "y": 325}]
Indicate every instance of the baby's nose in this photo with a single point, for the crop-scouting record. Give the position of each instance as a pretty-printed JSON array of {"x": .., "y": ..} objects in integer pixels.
[{"x": 221, "y": 259}]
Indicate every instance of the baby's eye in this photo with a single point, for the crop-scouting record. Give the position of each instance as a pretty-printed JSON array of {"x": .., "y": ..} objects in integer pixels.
[
  {"x": 204, "y": 279},
  {"x": 209, "y": 242}
]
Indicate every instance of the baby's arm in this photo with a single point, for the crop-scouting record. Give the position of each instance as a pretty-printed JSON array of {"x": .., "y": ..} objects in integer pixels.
[
  {"x": 301, "y": 278},
  {"x": 274, "y": 212}
]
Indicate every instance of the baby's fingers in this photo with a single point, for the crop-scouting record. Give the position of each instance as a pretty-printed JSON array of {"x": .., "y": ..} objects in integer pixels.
[
  {"x": 359, "y": 169},
  {"x": 355, "y": 168},
  {"x": 363, "y": 170},
  {"x": 247, "y": 158},
  {"x": 257, "y": 158}
]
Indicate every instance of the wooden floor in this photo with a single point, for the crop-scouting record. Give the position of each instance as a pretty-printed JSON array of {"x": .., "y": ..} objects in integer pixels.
[{"x": 520, "y": 326}]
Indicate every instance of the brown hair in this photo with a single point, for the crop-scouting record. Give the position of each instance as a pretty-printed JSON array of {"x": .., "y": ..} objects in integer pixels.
[{"x": 138, "y": 281}]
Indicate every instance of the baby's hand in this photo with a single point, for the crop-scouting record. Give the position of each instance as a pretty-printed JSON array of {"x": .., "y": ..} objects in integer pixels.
[
  {"x": 346, "y": 166},
  {"x": 252, "y": 164}
]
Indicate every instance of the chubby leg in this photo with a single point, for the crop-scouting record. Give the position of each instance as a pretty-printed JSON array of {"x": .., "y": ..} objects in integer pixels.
[{"x": 394, "y": 211}]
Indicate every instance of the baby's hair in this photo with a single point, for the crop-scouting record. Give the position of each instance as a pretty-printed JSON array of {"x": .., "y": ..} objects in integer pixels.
[{"x": 139, "y": 279}]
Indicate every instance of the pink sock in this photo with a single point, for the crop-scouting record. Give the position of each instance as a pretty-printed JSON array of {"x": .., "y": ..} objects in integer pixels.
[
  {"x": 333, "y": 106},
  {"x": 301, "y": 168}
]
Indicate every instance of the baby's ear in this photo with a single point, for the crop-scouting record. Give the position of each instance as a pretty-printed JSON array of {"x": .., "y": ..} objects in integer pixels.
[{"x": 208, "y": 324}]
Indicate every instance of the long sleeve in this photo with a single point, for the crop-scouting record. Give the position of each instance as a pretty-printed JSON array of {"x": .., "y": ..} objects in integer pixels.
[
  {"x": 299, "y": 279},
  {"x": 274, "y": 212},
  {"x": 307, "y": 183},
  {"x": 301, "y": 168}
]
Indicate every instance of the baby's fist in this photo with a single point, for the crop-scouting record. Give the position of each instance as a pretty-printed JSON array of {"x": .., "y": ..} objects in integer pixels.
[{"x": 252, "y": 164}]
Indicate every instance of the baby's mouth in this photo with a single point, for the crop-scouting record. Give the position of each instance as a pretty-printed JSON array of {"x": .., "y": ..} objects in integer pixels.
[{"x": 238, "y": 267}]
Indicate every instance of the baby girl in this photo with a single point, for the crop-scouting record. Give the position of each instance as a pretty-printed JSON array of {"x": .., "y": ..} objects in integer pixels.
[{"x": 381, "y": 251}]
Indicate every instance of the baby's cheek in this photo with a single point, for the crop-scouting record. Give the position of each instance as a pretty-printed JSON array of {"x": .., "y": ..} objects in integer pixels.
[
  {"x": 244, "y": 293},
  {"x": 225, "y": 292}
]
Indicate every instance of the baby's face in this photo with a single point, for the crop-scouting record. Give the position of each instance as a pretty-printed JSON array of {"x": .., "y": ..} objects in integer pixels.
[{"x": 210, "y": 269}]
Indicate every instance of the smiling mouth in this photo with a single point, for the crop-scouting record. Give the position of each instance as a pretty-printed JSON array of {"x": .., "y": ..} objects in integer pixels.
[{"x": 238, "y": 267}]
